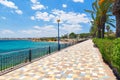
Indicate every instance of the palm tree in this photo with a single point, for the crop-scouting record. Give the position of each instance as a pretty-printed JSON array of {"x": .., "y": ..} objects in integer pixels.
[
  {"x": 100, "y": 15},
  {"x": 116, "y": 12},
  {"x": 108, "y": 29},
  {"x": 93, "y": 29},
  {"x": 96, "y": 19},
  {"x": 105, "y": 7},
  {"x": 111, "y": 31}
]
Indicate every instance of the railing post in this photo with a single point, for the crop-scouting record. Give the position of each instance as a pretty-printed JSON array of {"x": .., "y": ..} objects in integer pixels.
[
  {"x": 1, "y": 63},
  {"x": 66, "y": 45},
  {"x": 49, "y": 50},
  {"x": 30, "y": 55},
  {"x": 59, "y": 47}
]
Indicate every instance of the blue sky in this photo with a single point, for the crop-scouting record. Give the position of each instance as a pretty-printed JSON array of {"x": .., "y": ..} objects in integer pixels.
[{"x": 37, "y": 18}]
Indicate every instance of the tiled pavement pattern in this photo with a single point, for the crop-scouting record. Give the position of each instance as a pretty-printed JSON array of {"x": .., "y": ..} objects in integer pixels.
[{"x": 78, "y": 62}]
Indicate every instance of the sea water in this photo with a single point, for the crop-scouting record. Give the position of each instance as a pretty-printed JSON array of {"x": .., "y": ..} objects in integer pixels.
[{"x": 12, "y": 45}]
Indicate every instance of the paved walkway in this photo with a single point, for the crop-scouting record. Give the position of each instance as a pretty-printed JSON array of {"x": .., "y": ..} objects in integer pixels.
[{"x": 78, "y": 62}]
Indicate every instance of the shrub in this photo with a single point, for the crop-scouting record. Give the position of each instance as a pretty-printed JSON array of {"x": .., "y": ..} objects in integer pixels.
[
  {"x": 110, "y": 50},
  {"x": 105, "y": 47},
  {"x": 116, "y": 53}
]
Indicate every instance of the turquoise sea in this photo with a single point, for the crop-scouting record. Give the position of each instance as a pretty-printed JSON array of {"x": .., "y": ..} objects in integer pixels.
[{"x": 12, "y": 45}]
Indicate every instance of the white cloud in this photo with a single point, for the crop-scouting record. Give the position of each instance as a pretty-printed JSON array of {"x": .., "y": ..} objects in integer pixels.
[
  {"x": 37, "y": 5},
  {"x": 78, "y": 1},
  {"x": 64, "y": 6},
  {"x": 43, "y": 31},
  {"x": 10, "y": 4},
  {"x": 71, "y": 17},
  {"x": 65, "y": 17},
  {"x": 6, "y": 32},
  {"x": 47, "y": 28},
  {"x": 42, "y": 16},
  {"x": 3, "y": 17},
  {"x": 18, "y": 11},
  {"x": 70, "y": 21},
  {"x": 32, "y": 18},
  {"x": 50, "y": 30},
  {"x": 34, "y": 1},
  {"x": 68, "y": 28},
  {"x": 30, "y": 32}
]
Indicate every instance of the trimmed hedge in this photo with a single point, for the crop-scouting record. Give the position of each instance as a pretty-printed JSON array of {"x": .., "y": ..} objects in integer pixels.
[
  {"x": 110, "y": 50},
  {"x": 116, "y": 54}
]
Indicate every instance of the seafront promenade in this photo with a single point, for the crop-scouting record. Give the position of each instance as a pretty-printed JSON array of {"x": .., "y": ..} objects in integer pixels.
[{"x": 78, "y": 62}]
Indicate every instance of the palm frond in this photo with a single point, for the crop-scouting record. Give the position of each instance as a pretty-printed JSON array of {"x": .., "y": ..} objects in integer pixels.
[
  {"x": 111, "y": 24},
  {"x": 89, "y": 11},
  {"x": 92, "y": 15}
]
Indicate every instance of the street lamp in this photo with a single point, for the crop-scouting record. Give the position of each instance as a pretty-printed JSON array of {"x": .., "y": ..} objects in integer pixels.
[{"x": 58, "y": 35}]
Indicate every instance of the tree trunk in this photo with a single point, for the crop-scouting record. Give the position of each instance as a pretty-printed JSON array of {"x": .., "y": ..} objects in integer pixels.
[
  {"x": 94, "y": 35},
  {"x": 103, "y": 30},
  {"x": 118, "y": 25},
  {"x": 103, "y": 20},
  {"x": 116, "y": 12},
  {"x": 99, "y": 32},
  {"x": 116, "y": 7}
]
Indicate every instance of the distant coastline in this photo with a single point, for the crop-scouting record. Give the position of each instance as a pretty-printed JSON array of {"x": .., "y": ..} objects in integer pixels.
[
  {"x": 15, "y": 39},
  {"x": 53, "y": 40},
  {"x": 32, "y": 39}
]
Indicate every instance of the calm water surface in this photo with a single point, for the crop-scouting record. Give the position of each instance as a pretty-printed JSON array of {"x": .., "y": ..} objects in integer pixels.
[{"x": 11, "y": 45}]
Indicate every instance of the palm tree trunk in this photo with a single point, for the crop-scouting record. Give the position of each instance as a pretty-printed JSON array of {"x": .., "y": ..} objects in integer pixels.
[
  {"x": 117, "y": 25},
  {"x": 94, "y": 35},
  {"x": 116, "y": 12},
  {"x": 103, "y": 30},
  {"x": 103, "y": 20},
  {"x": 99, "y": 32}
]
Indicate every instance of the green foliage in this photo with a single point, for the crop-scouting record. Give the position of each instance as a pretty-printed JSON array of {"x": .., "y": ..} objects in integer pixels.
[
  {"x": 110, "y": 50},
  {"x": 101, "y": 15},
  {"x": 45, "y": 39},
  {"x": 49, "y": 39},
  {"x": 84, "y": 35},
  {"x": 116, "y": 53},
  {"x": 111, "y": 36},
  {"x": 72, "y": 35},
  {"x": 64, "y": 36},
  {"x": 105, "y": 47}
]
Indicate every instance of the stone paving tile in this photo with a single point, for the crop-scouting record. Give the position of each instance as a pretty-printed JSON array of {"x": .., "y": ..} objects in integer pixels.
[{"x": 79, "y": 62}]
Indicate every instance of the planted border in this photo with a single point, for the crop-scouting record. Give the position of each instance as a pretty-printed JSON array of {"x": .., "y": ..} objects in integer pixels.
[{"x": 110, "y": 50}]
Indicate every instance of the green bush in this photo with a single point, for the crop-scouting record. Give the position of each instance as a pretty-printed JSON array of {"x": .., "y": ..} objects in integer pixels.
[
  {"x": 116, "y": 53},
  {"x": 110, "y": 50},
  {"x": 105, "y": 47}
]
